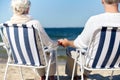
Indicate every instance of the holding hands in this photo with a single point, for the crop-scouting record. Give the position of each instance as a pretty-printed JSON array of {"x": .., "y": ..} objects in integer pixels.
[{"x": 65, "y": 42}]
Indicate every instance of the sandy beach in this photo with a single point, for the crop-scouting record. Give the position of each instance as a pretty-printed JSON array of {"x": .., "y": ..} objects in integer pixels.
[{"x": 13, "y": 74}]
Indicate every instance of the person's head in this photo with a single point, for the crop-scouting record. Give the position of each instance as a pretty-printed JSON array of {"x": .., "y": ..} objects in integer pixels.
[
  {"x": 111, "y": 1},
  {"x": 111, "y": 5},
  {"x": 20, "y": 6}
]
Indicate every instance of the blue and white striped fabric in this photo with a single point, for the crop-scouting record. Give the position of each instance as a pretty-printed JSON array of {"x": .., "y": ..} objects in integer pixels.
[
  {"x": 23, "y": 44},
  {"x": 104, "y": 51}
]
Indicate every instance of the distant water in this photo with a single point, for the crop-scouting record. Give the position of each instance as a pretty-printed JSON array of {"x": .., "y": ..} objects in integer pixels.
[{"x": 58, "y": 33}]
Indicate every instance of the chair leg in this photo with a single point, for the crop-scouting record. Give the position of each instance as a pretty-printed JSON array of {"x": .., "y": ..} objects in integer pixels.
[
  {"x": 6, "y": 69},
  {"x": 21, "y": 74},
  {"x": 81, "y": 67},
  {"x": 111, "y": 77},
  {"x": 74, "y": 68},
  {"x": 48, "y": 68},
  {"x": 57, "y": 67},
  {"x": 82, "y": 71}
]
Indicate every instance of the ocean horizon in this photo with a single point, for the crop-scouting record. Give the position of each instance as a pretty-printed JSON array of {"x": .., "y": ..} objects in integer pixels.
[{"x": 64, "y": 32}]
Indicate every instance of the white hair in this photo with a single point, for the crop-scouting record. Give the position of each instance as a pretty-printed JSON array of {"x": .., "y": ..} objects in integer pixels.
[{"x": 20, "y": 6}]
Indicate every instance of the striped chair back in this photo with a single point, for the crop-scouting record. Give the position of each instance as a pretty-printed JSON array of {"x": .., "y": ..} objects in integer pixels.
[
  {"x": 22, "y": 41},
  {"x": 104, "y": 49}
]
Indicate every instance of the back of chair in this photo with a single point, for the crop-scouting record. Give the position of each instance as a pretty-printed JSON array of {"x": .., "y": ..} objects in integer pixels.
[
  {"x": 104, "y": 49},
  {"x": 22, "y": 41}
]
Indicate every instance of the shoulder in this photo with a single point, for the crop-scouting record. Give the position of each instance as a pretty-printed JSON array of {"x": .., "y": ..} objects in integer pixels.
[
  {"x": 33, "y": 21},
  {"x": 97, "y": 16}
]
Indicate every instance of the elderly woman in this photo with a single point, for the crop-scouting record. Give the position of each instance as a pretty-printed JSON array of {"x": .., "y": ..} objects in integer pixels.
[{"x": 20, "y": 16}]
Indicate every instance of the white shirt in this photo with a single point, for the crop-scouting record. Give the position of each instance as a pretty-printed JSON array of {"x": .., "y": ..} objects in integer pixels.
[{"x": 93, "y": 23}]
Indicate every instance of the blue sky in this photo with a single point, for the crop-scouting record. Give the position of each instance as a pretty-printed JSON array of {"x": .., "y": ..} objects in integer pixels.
[{"x": 57, "y": 13}]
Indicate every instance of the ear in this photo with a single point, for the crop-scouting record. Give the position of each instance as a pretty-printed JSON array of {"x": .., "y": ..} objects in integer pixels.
[{"x": 102, "y": 1}]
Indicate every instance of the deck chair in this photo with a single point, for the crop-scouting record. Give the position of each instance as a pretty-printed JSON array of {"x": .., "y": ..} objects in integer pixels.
[
  {"x": 103, "y": 52},
  {"x": 2, "y": 44},
  {"x": 24, "y": 48}
]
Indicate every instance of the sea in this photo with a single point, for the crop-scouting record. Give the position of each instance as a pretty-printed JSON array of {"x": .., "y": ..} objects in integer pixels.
[
  {"x": 60, "y": 33},
  {"x": 54, "y": 33},
  {"x": 69, "y": 33}
]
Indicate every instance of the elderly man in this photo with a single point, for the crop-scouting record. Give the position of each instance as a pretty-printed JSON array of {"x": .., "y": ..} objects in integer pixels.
[{"x": 111, "y": 17}]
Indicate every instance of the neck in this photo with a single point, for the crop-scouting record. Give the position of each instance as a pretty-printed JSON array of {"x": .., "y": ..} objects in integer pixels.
[{"x": 111, "y": 8}]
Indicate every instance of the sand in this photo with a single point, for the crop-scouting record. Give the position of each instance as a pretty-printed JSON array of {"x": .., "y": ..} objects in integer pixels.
[{"x": 13, "y": 74}]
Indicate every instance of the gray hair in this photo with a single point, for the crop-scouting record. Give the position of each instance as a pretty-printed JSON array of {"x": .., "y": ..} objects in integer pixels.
[
  {"x": 20, "y": 6},
  {"x": 112, "y": 1}
]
